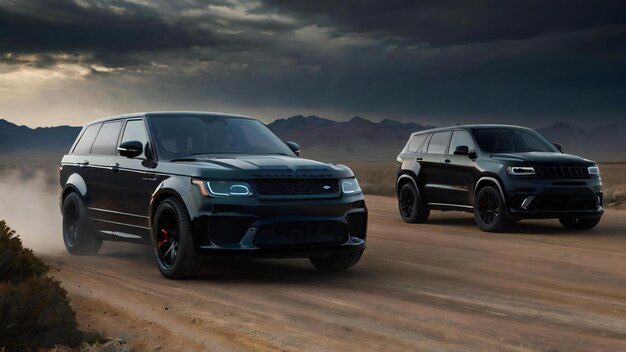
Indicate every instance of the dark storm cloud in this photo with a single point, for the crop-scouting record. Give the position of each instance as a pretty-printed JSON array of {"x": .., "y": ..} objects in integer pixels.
[
  {"x": 62, "y": 26},
  {"x": 447, "y": 22},
  {"x": 433, "y": 61}
]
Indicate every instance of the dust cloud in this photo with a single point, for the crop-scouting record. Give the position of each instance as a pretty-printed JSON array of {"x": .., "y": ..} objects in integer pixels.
[{"x": 29, "y": 205}]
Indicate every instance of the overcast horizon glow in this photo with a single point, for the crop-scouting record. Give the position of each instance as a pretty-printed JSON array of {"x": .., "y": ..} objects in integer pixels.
[{"x": 431, "y": 62}]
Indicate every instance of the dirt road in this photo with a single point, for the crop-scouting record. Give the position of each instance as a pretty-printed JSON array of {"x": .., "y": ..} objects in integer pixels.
[{"x": 443, "y": 286}]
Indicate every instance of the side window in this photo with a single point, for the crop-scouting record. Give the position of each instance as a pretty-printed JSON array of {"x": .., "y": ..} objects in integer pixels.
[
  {"x": 460, "y": 138},
  {"x": 106, "y": 141},
  {"x": 135, "y": 130},
  {"x": 86, "y": 140},
  {"x": 439, "y": 142},
  {"x": 416, "y": 142}
]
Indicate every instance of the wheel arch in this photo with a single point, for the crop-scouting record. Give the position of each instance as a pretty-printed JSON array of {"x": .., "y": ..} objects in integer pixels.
[
  {"x": 489, "y": 179},
  {"x": 74, "y": 183},
  {"x": 404, "y": 177}
]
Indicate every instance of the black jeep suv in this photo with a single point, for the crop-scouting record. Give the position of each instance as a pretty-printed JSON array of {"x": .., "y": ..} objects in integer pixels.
[
  {"x": 198, "y": 184},
  {"x": 500, "y": 173}
]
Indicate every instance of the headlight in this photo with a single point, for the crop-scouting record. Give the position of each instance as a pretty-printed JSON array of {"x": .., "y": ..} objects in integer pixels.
[
  {"x": 350, "y": 186},
  {"x": 593, "y": 170},
  {"x": 520, "y": 170},
  {"x": 217, "y": 188}
]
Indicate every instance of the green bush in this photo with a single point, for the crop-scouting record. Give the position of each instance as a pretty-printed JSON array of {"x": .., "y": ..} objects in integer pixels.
[
  {"x": 34, "y": 309},
  {"x": 16, "y": 262}
]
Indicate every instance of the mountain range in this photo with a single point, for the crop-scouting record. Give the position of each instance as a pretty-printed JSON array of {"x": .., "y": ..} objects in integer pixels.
[{"x": 324, "y": 139}]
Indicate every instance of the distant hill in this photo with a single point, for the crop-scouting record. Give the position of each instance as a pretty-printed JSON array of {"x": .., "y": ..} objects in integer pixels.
[
  {"x": 16, "y": 139},
  {"x": 356, "y": 139},
  {"x": 324, "y": 139},
  {"x": 606, "y": 143}
]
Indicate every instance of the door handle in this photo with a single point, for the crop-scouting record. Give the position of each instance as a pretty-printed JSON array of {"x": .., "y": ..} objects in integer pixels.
[
  {"x": 84, "y": 164},
  {"x": 447, "y": 161},
  {"x": 150, "y": 178},
  {"x": 115, "y": 168},
  {"x": 419, "y": 159}
]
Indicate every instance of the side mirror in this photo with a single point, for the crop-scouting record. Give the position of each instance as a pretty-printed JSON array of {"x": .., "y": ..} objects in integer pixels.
[
  {"x": 130, "y": 149},
  {"x": 295, "y": 148},
  {"x": 559, "y": 147},
  {"x": 461, "y": 150}
]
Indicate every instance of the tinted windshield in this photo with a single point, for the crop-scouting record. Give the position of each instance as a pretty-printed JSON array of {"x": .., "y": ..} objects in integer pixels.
[
  {"x": 511, "y": 140},
  {"x": 181, "y": 136}
]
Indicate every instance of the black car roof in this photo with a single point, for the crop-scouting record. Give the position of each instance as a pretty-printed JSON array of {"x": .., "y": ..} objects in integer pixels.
[
  {"x": 467, "y": 127},
  {"x": 167, "y": 113}
]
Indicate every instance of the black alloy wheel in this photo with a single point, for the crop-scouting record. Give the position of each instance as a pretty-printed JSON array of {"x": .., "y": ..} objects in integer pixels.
[
  {"x": 175, "y": 253},
  {"x": 71, "y": 222},
  {"x": 490, "y": 210},
  {"x": 167, "y": 238},
  {"x": 410, "y": 205},
  {"x": 78, "y": 236}
]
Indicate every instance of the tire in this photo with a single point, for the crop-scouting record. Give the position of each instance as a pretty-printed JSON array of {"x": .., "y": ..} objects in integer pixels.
[
  {"x": 174, "y": 248},
  {"x": 410, "y": 205},
  {"x": 336, "y": 262},
  {"x": 78, "y": 235},
  {"x": 580, "y": 223},
  {"x": 490, "y": 210}
]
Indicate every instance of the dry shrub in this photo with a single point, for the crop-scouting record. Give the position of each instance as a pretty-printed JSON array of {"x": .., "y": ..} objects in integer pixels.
[
  {"x": 16, "y": 262},
  {"x": 34, "y": 310},
  {"x": 35, "y": 313}
]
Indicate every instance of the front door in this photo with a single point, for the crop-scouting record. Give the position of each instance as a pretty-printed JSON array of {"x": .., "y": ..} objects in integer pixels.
[
  {"x": 459, "y": 171},
  {"x": 131, "y": 185}
]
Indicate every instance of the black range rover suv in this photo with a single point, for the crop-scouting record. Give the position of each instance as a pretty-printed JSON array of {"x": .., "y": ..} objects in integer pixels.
[
  {"x": 193, "y": 184},
  {"x": 500, "y": 173}
]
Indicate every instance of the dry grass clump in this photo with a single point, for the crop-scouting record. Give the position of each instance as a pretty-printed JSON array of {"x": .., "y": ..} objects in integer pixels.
[
  {"x": 16, "y": 262},
  {"x": 34, "y": 310}
]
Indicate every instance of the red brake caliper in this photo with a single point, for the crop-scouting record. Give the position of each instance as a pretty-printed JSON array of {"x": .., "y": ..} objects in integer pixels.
[{"x": 161, "y": 243}]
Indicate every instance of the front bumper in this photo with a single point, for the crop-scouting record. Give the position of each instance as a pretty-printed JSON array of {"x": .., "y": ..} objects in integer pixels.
[
  {"x": 279, "y": 228},
  {"x": 545, "y": 199}
]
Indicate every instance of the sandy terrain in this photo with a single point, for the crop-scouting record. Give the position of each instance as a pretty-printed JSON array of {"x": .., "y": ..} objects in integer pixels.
[{"x": 444, "y": 286}]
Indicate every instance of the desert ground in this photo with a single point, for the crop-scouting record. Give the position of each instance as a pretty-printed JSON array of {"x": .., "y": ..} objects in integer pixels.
[{"x": 441, "y": 286}]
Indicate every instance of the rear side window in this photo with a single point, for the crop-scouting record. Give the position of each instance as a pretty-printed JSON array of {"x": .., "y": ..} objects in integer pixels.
[
  {"x": 135, "y": 131},
  {"x": 460, "y": 138},
  {"x": 106, "y": 141},
  {"x": 86, "y": 139},
  {"x": 416, "y": 142},
  {"x": 439, "y": 142}
]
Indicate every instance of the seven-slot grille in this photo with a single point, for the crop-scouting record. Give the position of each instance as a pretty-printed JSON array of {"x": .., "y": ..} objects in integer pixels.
[
  {"x": 288, "y": 187},
  {"x": 562, "y": 172}
]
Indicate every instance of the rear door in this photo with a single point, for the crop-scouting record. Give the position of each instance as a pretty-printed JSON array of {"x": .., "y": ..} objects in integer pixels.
[
  {"x": 104, "y": 147},
  {"x": 432, "y": 166},
  {"x": 79, "y": 159}
]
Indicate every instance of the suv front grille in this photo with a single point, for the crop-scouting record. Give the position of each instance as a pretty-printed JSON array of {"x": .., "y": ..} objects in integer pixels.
[
  {"x": 288, "y": 187},
  {"x": 301, "y": 233},
  {"x": 562, "y": 172}
]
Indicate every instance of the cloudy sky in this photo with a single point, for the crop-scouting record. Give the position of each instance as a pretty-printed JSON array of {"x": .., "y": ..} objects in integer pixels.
[{"x": 436, "y": 61}]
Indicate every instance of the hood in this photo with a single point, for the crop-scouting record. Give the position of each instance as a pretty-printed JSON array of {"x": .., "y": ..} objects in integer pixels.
[
  {"x": 542, "y": 158},
  {"x": 265, "y": 166}
]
